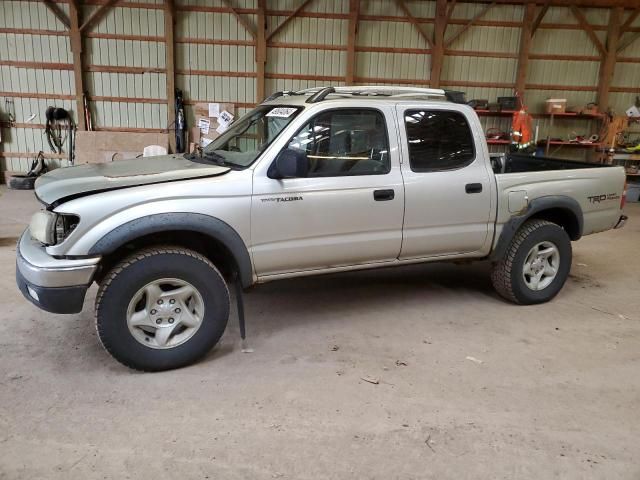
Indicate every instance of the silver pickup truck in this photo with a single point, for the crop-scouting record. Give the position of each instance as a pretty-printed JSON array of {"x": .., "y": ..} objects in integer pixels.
[{"x": 309, "y": 182}]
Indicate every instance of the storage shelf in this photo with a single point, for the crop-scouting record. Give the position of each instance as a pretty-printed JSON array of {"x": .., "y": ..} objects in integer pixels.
[
  {"x": 575, "y": 144},
  {"x": 498, "y": 142},
  {"x": 508, "y": 113}
]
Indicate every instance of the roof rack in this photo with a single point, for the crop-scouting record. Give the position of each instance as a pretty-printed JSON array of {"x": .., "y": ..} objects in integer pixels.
[
  {"x": 371, "y": 90},
  {"x": 317, "y": 94}
]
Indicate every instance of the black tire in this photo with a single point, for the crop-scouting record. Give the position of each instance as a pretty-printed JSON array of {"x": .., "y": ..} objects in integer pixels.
[
  {"x": 21, "y": 182},
  {"x": 130, "y": 275},
  {"x": 507, "y": 274}
]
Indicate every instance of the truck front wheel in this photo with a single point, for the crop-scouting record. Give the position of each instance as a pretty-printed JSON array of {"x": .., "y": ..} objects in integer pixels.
[
  {"x": 536, "y": 264},
  {"x": 161, "y": 308}
]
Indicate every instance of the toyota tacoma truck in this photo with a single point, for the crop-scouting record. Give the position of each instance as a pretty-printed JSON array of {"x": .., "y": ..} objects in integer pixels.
[{"x": 311, "y": 182}]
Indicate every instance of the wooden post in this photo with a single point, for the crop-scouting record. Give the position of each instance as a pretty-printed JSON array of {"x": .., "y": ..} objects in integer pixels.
[
  {"x": 608, "y": 62},
  {"x": 354, "y": 12},
  {"x": 169, "y": 24},
  {"x": 437, "y": 52},
  {"x": 526, "y": 36},
  {"x": 75, "y": 37},
  {"x": 261, "y": 50}
]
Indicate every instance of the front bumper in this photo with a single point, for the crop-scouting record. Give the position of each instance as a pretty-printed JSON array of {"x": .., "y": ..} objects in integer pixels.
[
  {"x": 54, "y": 285},
  {"x": 621, "y": 221}
]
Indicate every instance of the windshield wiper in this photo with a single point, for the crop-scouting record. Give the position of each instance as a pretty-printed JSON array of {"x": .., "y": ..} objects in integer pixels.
[{"x": 219, "y": 159}]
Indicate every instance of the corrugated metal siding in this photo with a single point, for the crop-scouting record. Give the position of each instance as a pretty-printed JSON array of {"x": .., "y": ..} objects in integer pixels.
[{"x": 310, "y": 51}]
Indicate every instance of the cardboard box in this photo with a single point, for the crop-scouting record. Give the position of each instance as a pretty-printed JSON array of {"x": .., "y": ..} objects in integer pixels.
[
  {"x": 102, "y": 147},
  {"x": 556, "y": 105}
]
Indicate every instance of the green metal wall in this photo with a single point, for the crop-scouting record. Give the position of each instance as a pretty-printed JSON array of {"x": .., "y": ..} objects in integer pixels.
[{"x": 215, "y": 59}]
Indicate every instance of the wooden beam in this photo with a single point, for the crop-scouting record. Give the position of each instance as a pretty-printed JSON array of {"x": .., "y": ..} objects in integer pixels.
[
  {"x": 588, "y": 29},
  {"x": 450, "y": 9},
  {"x": 169, "y": 32},
  {"x": 58, "y": 12},
  {"x": 261, "y": 50},
  {"x": 469, "y": 24},
  {"x": 75, "y": 37},
  {"x": 231, "y": 9},
  {"x": 630, "y": 19},
  {"x": 354, "y": 12},
  {"x": 301, "y": 7},
  {"x": 437, "y": 52},
  {"x": 628, "y": 41},
  {"x": 540, "y": 16},
  {"x": 414, "y": 21},
  {"x": 608, "y": 63},
  {"x": 526, "y": 37},
  {"x": 97, "y": 15}
]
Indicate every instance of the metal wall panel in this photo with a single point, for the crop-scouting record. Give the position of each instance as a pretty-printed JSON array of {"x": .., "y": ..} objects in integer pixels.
[{"x": 306, "y": 50}]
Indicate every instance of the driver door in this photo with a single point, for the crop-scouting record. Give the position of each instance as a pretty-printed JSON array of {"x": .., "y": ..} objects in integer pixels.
[{"x": 347, "y": 210}]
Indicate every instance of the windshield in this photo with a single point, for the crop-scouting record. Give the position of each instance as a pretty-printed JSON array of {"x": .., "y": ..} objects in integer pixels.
[{"x": 248, "y": 137}]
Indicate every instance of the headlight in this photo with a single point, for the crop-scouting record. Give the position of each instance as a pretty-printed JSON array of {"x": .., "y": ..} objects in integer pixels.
[{"x": 51, "y": 228}]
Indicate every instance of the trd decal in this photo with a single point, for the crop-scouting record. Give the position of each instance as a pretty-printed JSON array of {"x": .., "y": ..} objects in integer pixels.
[
  {"x": 281, "y": 199},
  {"x": 603, "y": 198}
]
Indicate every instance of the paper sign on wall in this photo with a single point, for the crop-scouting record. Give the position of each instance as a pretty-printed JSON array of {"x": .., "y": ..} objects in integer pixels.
[
  {"x": 214, "y": 109},
  {"x": 203, "y": 125},
  {"x": 205, "y": 141},
  {"x": 225, "y": 118}
]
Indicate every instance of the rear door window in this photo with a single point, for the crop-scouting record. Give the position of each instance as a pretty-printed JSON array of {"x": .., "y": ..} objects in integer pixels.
[{"x": 438, "y": 140}]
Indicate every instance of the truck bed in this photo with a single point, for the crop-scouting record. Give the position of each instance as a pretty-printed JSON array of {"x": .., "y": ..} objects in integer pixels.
[
  {"x": 515, "y": 163},
  {"x": 597, "y": 188}
]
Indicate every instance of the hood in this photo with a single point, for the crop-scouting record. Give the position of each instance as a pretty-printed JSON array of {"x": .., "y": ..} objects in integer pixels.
[{"x": 83, "y": 179}]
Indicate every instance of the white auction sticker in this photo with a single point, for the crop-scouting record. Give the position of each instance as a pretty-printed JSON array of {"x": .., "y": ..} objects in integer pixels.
[{"x": 282, "y": 112}]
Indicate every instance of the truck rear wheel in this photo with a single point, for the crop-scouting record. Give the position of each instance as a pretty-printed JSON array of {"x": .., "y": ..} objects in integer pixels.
[
  {"x": 536, "y": 264},
  {"x": 161, "y": 308}
]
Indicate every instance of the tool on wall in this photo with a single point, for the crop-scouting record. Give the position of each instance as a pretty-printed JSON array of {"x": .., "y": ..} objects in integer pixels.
[
  {"x": 181, "y": 124},
  {"x": 60, "y": 129},
  {"x": 10, "y": 109},
  {"x": 87, "y": 112}
]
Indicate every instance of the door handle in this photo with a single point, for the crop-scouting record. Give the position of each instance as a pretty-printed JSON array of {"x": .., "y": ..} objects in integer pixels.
[
  {"x": 473, "y": 188},
  {"x": 383, "y": 195}
]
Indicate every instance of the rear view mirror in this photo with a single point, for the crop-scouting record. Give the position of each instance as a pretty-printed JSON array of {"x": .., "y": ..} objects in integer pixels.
[{"x": 290, "y": 164}]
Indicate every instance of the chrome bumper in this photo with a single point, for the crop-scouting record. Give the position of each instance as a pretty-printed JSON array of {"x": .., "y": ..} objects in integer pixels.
[
  {"x": 621, "y": 221},
  {"x": 54, "y": 285},
  {"x": 40, "y": 268}
]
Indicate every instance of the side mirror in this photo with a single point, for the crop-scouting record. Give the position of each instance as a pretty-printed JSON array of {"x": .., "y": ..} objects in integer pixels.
[{"x": 290, "y": 164}]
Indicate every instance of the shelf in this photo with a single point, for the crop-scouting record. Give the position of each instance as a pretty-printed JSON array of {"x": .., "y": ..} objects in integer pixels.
[
  {"x": 508, "y": 113},
  {"x": 498, "y": 142},
  {"x": 633, "y": 174},
  {"x": 575, "y": 144}
]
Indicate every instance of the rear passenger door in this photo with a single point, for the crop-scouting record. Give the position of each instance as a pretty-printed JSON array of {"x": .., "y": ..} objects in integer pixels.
[
  {"x": 347, "y": 210},
  {"x": 448, "y": 190}
]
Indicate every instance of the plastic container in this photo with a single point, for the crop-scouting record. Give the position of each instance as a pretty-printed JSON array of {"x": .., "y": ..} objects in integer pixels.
[
  {"x": 556, "y": 105},
  {"x": 633, "y": 192}
]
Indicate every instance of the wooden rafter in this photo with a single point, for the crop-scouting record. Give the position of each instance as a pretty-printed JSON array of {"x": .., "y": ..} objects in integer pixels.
[
  {"x": 301, "y": 7},
  {"x": 97, "y": 15},
  {"x": 628, "y": 41},
  {"x": 354, "y": 12},
  {"x": 469, "y": 24},
  {"x": 437, "y": 53},
  {"x": 526, "y": 37},
  {"x": 608, "y": 63},
  {"x": 169, "y": 32},
  {"x": 414, "y": 21},
  {"x": 630, "y": 19},
  {"x": 538, "y": 20},
  {"x": 584, "y": 24},
  {"x": 58, "y": 12},
  {"x": 261, "y": 50},
  {"x": 75, "y": 38},
  {"x": 450, "y": 9},
  {"x": 239, "y": 17}
]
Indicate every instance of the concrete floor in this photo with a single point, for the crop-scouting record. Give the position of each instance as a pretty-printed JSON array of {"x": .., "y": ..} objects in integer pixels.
[{"x": 553, "y": 392}]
